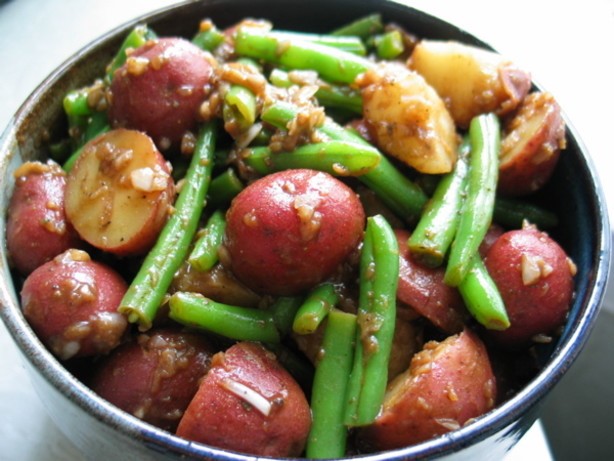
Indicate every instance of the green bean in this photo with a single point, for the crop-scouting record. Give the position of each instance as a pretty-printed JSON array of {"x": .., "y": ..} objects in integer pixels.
[
  {"x": 345, "y": 43},
  {"x": 401, "y": 195},
  {"x": 482, "y": 297},
  {"x": 136, "y": 38},
  {"x": 435, "y": 231},
  {"x": 95, "y": 128},
  {"x": 204, "y": 255},
  {"x": 148, "y": 289},
  {"x": 315, "y": 308},
  {"x": 477, "y": 212},
  {"x": 330, "y": 63},
  {"x": 389, "y": 45},
  {"x": 512, "y": 212},
  {"x": 240, "y": 106},
  {"x": 339, "y": 158},
  {"x": 284, "y": 310},
  {"x": 224, "y": 187},
  {"x": 234, "y": 322},
  {"x": 209, "y": 39},
  {"x": 328, "y": 94},
  {"x": 76, "y": 103},
  {"x": 328, "y": 434},
  {"x": 379, "y": 274},
  {"x": 363, "y": 27}
]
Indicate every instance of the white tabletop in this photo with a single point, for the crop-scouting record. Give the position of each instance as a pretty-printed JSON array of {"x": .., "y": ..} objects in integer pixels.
[{"x": 568, "y": 46}]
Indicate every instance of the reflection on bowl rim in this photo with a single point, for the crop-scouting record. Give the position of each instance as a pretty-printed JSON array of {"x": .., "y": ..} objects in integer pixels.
[{"x": 499, "y": 419}]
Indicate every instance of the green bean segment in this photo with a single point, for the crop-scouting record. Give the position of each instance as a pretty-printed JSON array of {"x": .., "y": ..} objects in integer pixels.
[
  {"x": 204, "y": 255},
  {"x": 350, "y": 44},
  {"x": 328, "y": 434},
  {"x": 476, "y": 215},
  {"x": 338, "y": 158},
  {"x": 315, "y": 309},
  {"x": 235, "y": 322},
  {"x": 137, "y": 37},
  {"x": 363, "y": 27},
  {"x": 148, "y": 289},
  {"x": 379, "y": 274}
]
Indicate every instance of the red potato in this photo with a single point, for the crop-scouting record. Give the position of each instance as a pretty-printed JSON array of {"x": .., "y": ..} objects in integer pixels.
[
  {"x": 71, "y": 303},
  {"x": 248, "y": 403},
  {"x": 470, "y": 80},
  {"x": 535, "y": 278},
  {"x": 119, "y": 192},
  {"x": 423, "y": 289},
  {"x": 160, "y": 88},
  {"x": 154, "y": 376},
  {"x": 288, "y": 231},
  {"x": 447, "y": 384},
  {"x": 531, "y": 146},
  {"x": 36, "y": 228}
]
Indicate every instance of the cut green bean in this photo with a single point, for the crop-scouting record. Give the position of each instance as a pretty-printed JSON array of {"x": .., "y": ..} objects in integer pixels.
[
  {"x": 363, "y": 27},
  {"x": 389, "y": 45},
  {"x": 339, "y": 158},
  {"x": 330, "y": 63},
  {"x": 136, "y": 38},
  {"x": 234, "y": 322},
  {"x": 76, "y": 103},
  {"x": 224, "y": 187},
  {"x": 482, "y": 297},
  {"x": 379, "y": 274},
  {"x": 284, "y": 310},
  {"x": 240, "y": 106},
  {"x": 435, "y": 231},
  {"x": 148, "y": 289},
  {"x": 328, "y": 434},
  {"x": 204, "y": 255},
  {"x": 208, "y": 40},
  {"x": 400, "y": 194},
  {"x": 315, "y": 309},
  {"x": 350, "y": 44},
  {"x": 513, "y": 212},
  {"x": 476, "y": 215}
]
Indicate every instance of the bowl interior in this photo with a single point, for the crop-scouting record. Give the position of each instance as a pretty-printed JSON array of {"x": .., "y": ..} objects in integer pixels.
[{"x": 574, "y": 194}]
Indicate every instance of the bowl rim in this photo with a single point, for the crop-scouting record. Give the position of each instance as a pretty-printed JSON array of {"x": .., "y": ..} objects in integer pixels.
[{"x": 502, "y": 416}]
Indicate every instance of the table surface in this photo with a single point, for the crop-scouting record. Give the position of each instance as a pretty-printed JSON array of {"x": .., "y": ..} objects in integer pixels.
[{"x": 569, "y": 48}]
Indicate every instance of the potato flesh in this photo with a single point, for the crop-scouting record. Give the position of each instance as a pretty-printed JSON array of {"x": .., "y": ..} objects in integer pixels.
[
  {"x": 408, "y": 119},
  {"x": 470, "y": 80},
  {"x": 116, "y": 190}
]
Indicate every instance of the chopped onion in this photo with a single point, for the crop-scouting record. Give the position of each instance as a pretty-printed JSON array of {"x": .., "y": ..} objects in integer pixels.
[{"x": 256, "y": 400}]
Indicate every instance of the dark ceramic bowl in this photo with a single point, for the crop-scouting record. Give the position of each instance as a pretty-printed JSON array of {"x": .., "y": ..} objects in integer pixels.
[{"x": 103, "y": 432}]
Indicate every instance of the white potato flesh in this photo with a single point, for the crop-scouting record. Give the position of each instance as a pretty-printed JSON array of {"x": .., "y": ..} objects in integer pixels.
[
  {"x": 119, "y": 192},
  {"x": 470, "y": 80},
  {"x": 407, "y": 118}
]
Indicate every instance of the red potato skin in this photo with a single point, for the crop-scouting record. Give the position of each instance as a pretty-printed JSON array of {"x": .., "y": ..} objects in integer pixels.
[
  {"x": 160, "y": 88},
  {"x": 537, "y": 305},
  {"x": 218, "y": 417},
  {"x": 71, "y": 303},
  {"x": 290, "y": 230},
  {"x": 154, "y": 376},
  {"x": 447, "y": 384},
  {"x": 423, "y": 289},
  {"x": 531, "y": 145},
  {"x": 37, "y": 229}
]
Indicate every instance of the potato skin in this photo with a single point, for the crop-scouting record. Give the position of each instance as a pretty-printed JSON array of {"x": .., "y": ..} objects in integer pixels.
[
  {"x": 160, "y": 88},
  {"x": 470, "y": 80},
  {"x": 71, "y": 302},
  {"x": 154, "y": 376},
  {"x": 290, "y": 230},
  {"x": 531, "y": 146},
  {"x": 423, "y": 289},
  {"x": 535, "y": 278},
  {"x": 447, "y": 384},
  {"x": 219, "y": 417},
  {"x": 37, "y": 229}
]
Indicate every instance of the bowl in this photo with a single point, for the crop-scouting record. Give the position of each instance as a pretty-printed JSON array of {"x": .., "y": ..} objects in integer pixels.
[{"x": 101, "y": 430}]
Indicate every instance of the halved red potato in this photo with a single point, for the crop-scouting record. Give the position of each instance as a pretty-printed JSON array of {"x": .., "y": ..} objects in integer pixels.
[
  {"x": 71, "y": 303},
  {"x": 447, "y": 384},
  {"x": 535, "y": 278},
  {"x": 531, "y": 145},
  {"x": 249, "y": 403},
  {"x": 36, "y": 226},
  {"x": 154, "y": 376},
  {"x": 407, "y": 119},
  {"x": 423, "y": 289},
  {"x": 470, "y": 80},
  {"x": 119, "y": 192}
]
